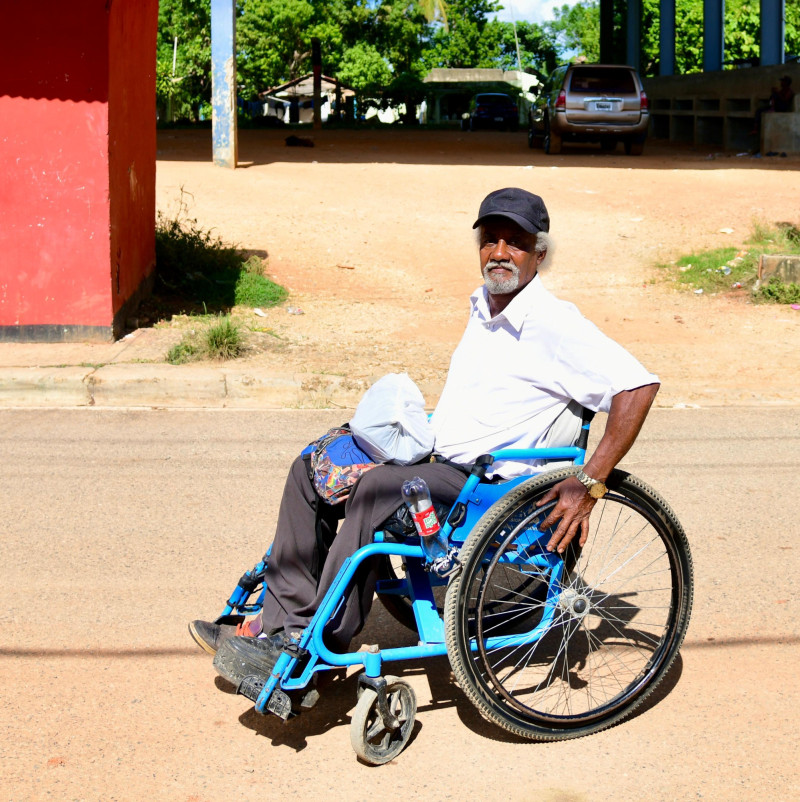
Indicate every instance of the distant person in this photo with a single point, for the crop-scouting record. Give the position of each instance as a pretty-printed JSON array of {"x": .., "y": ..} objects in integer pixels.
[
  {"x": 780, "y": 100},
  {"x": 782, "y": 96}
]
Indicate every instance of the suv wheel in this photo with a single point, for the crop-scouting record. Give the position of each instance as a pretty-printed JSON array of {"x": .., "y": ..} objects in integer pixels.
[
  {"x": 552, "y": 142},
  {"x": 634, "y": 147}
]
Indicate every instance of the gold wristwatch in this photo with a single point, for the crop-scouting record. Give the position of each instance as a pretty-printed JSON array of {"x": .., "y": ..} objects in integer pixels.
[{"x": 595, "y": 487}]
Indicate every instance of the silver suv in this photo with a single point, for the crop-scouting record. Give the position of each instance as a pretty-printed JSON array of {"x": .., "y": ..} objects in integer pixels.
[{"x": 601, "y": 103}]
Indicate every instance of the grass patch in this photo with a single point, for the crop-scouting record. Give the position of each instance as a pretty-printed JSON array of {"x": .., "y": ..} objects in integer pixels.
[
  {"x": 187, "y": 350},
  {"x": 253, "y": 289},
  {"x": 724, "y": 269},
  {"x": 221, "y": 338},
  {"x": 196, "y": 270},
  {"x": 775, "y": 291}
]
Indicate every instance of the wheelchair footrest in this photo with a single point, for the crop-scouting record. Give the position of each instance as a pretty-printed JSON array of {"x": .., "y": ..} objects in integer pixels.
[
  {"x": 251, "y": 686},
  {"x": 280, "y": 704}
]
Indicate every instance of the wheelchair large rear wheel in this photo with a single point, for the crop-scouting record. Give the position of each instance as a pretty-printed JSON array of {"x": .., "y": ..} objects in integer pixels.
[{"x": 551, "y": 648}]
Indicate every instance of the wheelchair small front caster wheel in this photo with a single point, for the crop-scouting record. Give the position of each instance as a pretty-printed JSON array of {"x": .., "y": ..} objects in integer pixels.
[{"x": 375, "y": 739}]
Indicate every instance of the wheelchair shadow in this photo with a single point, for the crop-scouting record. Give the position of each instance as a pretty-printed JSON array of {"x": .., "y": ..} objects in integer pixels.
[{"x": 338, "y": 693}]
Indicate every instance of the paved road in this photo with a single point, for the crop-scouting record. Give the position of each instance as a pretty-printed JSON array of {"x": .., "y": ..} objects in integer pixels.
[{"x": 119, "y": 526}]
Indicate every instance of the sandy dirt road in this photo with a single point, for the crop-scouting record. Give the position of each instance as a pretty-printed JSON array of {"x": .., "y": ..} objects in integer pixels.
[
  {"x": 371, "y": 231},
  {"x": 120, "y": 526}
]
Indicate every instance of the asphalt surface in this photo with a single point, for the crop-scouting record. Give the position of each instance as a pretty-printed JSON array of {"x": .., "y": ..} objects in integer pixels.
[{"x": 119, "y": 526}]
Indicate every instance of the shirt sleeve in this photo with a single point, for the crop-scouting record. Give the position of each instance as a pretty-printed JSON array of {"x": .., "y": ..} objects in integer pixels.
[{"x": 592, "y": 368}]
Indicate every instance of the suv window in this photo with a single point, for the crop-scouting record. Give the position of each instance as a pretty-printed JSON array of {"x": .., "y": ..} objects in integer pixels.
[{"x": 602, "y": 81}]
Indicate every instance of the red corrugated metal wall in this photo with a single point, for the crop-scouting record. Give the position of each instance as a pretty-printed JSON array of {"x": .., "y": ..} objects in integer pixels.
[{"x": 77, "y": 164}]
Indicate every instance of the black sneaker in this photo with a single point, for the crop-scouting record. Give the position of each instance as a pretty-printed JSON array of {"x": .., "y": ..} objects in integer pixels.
[
  {"x": 240, "y": 657},
  {"x": 209, "y": 637}
]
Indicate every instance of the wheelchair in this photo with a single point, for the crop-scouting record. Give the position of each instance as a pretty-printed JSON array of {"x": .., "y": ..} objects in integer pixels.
[{"x": 546, "y": 646}]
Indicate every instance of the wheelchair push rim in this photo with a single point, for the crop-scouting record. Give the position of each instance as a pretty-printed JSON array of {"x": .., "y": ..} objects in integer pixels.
[{"x": 582, "y": 646}]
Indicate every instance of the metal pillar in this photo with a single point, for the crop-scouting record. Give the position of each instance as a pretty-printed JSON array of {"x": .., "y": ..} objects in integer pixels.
[
  {"x": 666, "y": 38},
  {"x": 223, "y": 82},
  {"x": 633, "y": 39},
  {"x": 772, "y": 32},
  {"x": 607, "y": 31},
  {"x": 713, "y": 34}
]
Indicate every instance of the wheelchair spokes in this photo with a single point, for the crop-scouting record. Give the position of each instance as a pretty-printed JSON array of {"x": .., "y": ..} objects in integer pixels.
[{"x": 577, "y": 648}]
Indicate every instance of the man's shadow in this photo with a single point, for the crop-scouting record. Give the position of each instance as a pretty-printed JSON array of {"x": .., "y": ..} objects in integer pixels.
[{"x": 338, "y": 693}]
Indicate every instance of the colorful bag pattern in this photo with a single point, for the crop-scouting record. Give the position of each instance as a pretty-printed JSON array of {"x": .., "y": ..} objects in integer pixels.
[{"x": 336, "y": 464}]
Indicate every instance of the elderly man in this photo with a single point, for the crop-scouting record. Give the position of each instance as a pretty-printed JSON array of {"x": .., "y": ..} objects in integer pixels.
[{"x": 525, "y": 365}]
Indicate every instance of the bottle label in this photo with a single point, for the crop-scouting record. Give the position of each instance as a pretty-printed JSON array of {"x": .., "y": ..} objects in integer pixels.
[{"x": 426, "y": 522}]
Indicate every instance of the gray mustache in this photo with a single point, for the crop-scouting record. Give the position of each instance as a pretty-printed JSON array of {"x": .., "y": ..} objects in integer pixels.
[{"x": 506, "y": 265}]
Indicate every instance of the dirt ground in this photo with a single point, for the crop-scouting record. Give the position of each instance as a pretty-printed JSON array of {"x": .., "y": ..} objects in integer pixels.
[{"x": 371, "y": 232}]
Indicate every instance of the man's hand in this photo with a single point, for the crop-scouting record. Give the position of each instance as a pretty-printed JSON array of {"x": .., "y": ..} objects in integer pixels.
[{"x": 571, "y": 513}]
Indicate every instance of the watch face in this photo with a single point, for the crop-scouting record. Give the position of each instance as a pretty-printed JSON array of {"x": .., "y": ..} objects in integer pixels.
[{"x": 598, "y": 490}]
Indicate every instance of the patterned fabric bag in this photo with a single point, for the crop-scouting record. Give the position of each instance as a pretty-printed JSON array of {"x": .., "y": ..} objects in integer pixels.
[{"x": 336, "y": 463}]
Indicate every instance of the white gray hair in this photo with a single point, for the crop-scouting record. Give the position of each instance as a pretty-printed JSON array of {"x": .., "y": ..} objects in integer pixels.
[{"x": 544, "y": 242}]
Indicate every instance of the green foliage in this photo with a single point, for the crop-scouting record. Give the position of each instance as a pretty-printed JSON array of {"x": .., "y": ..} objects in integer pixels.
[
  {"x": 223, "y": 340},
  {"x": 220, "y": 338},
  {"x": 196, "y": 270},
  {"x": 274, "y": 42},
  {"x": 382, "y": 47},
  {"x": 187, "y": 350},
  {"x": 775, "y": 291},
  {"x": 576, "y": 29},
  {"x": 720, "y": 269},
  {"x": 253, "y": 289},
  {"x": 180, "y": 95},
  {"x": 538, "y": 47},
  {"x": 364, "y": 70},
  {"x": 716, "y": 270},
  {"x": 470, "y": 41}
]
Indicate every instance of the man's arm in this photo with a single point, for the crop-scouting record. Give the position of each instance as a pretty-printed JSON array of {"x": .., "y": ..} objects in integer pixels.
[{"x": 573, "y": 502}]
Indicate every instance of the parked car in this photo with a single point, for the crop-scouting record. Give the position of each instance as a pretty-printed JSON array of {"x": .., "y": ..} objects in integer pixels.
[
  {"x": 491, "y": 110},
  {"x": 602, "y": 103}
]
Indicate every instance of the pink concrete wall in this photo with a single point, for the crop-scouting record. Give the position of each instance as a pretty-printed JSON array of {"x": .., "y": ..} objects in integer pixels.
[{"x": 77, "y": 163}]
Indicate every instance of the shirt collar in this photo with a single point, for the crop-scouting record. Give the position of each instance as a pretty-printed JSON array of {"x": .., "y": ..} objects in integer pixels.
[{"x": 519, "y": 308}]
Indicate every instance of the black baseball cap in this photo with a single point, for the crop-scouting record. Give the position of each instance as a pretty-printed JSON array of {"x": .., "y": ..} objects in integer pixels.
[{"x": 524, "y": 208}]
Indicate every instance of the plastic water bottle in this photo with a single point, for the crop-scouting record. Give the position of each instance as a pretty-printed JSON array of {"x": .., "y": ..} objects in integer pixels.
[{"x": 418, "y": 498}]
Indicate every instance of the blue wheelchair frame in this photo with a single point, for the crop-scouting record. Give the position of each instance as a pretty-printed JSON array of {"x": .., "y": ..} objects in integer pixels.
[{"x": 475, "y": 498}]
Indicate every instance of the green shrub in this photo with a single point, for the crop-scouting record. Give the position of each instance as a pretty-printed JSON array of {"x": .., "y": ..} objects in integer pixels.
[
  {"x": 185, "y": 351},
  {"x": 253, "y": 289},
  {"x": 722, "y": 269},
  {"x": 223, "y": 339},
  {"x": 775, "y": 291},
  {"x": 195, "y": 269}
]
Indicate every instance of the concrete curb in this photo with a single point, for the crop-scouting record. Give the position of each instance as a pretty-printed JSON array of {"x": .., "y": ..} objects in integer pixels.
[
  {"x": 160, "y": 385},
  {"x": 45, "y": 387},
  {"x": 184, "y": 386}
]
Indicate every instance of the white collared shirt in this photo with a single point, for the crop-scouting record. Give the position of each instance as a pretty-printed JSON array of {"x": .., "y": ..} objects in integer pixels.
[{"x": 513, "y": 374}]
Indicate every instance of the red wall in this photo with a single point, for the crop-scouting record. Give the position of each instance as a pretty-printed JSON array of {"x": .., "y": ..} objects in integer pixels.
[{"x": 77, "y": 164}]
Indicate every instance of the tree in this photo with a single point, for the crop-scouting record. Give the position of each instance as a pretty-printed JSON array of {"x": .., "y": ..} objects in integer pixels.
[
  {"x": 576, "y": 30},
  {"x": 538, "y": 48},
  {"x": 364, "y": 70},
  {"x": 188, "y": 21},
  {"x": 470, "y": 38}
]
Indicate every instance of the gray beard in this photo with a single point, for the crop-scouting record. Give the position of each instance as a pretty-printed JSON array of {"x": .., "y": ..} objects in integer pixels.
[{"x": 498, "y": 286}]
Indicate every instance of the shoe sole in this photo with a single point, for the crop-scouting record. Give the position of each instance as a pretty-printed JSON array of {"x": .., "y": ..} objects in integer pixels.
[
  {"x": 234, "y": 664},
  {"x": 206, "y": 647}
]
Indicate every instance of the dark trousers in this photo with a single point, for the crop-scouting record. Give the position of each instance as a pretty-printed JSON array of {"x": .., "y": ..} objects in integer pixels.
[{"x": 293, "y": 591}]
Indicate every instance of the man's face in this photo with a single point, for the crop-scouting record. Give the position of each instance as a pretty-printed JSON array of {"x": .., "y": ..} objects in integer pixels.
[{"x": 508, "y": 257}]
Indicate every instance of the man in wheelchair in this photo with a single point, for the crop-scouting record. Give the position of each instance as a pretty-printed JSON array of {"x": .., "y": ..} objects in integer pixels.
[{"x": 526, "y": 365}]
